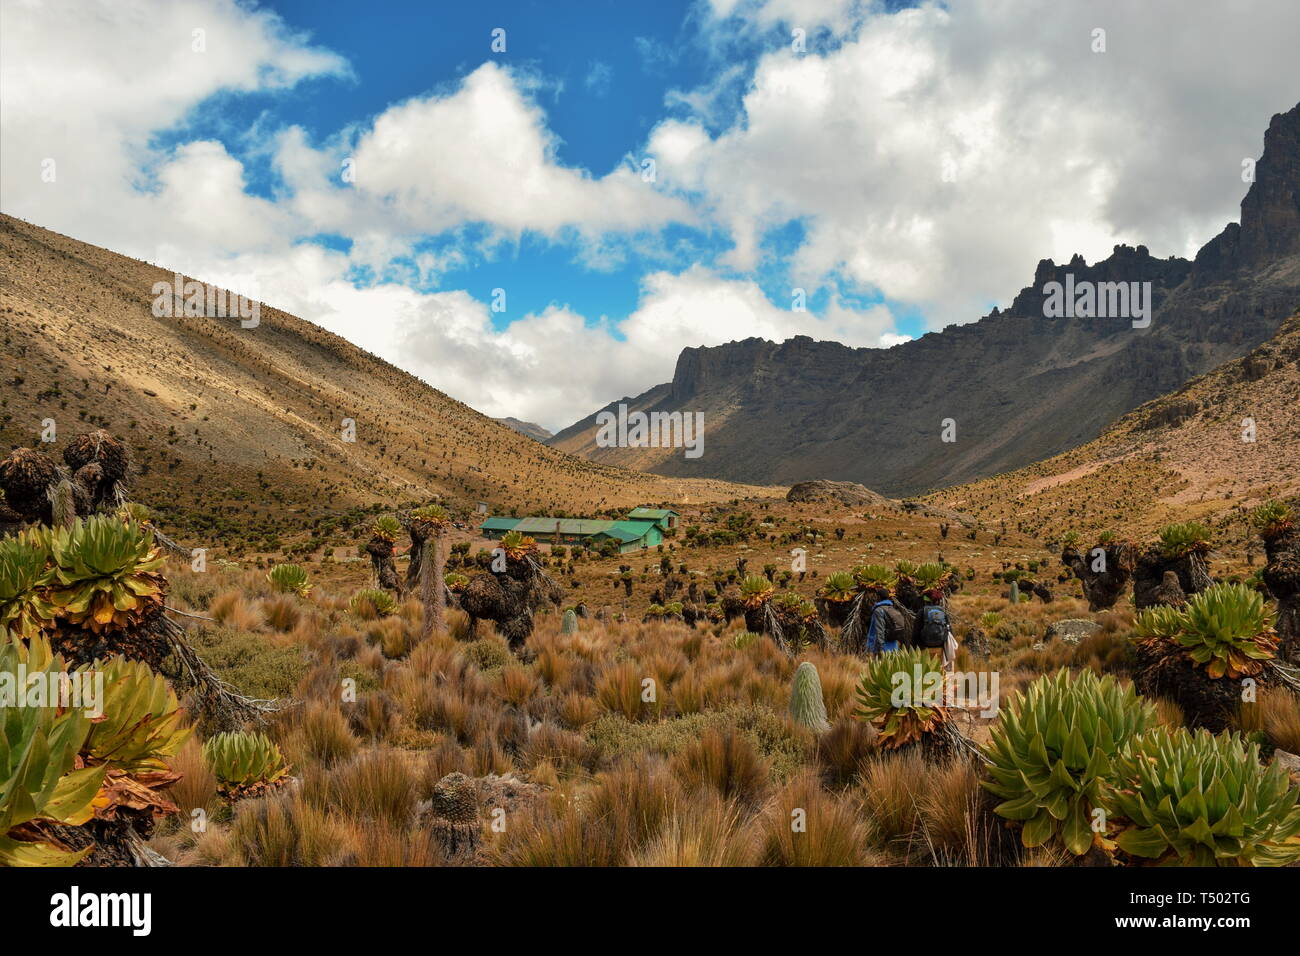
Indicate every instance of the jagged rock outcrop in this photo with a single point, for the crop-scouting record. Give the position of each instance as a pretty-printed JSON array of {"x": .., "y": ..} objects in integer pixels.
[{"x": 1270, "y": 214}]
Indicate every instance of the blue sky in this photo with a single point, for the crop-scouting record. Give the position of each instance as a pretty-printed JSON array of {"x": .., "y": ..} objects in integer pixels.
[
  {"x": 604, "y": 73},
  {"x": 904, "y": 165}
]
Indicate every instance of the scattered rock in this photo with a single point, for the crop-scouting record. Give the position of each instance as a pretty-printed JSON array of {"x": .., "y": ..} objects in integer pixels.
[
  {"x": 977, "y": 642},
  {"x": 1071, "y": 630}
]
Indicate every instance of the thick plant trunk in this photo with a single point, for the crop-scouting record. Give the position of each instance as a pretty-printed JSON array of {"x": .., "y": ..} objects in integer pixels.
[
  {"x": 1101, "y": 588},
  {"x": 426, "y": 590},
  {"x": 1282, "y": 576},
  {"x": 1165, "y": 671},
  {"x": 432, "y": 592},
  {"x": 381, "y": 560},
  {"x": 833, "y": 613},
  {"x": 908, "y": 595},
  {"x": 1148, "y": 577}
]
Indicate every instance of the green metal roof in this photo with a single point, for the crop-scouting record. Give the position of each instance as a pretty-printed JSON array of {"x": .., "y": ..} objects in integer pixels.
[
  {"x": 629, "y": 530},
  {"x": 577, "y": 526},
  {"x": 655, "y": 513}
]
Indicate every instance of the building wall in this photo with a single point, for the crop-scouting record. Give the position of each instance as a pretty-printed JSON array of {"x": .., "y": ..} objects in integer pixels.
[{"x": 652, "y": 538}]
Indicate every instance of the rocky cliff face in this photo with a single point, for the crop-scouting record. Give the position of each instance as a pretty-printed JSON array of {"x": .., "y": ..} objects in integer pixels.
[
  {"x": 1012, "y": 388},
  {"x": 1270, "y": 214}
]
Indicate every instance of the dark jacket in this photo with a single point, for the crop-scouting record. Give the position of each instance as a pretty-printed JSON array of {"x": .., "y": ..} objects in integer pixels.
[{"x": 877, "y": 629}]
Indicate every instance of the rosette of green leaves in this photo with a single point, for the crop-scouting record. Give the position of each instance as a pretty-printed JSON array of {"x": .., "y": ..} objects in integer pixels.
[
  {"x": 1228, "y": 629},
  {"x": 23, "y": 570},
  {"x": 1053, "y": 750},
  {"x": 244, "y": 759},
  {"x": 290, "y": 579},
  {"x": 1200, "y": 800},
  {"x": 39, "y": 779},
  {"x": 906, "y": 716}
]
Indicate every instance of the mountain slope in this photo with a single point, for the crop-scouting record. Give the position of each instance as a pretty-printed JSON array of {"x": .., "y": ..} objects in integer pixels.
[
  {"x": 1019, "y": 387},
  {"x": 234, "y": 427},
  {"x": 1182, "y": 456}
]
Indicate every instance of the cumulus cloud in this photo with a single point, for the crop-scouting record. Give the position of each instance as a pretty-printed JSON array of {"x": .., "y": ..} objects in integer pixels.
[
  {"x": 86, "y": 85},
  {"x": 935, "y": 154},
  {"x": 529, "y": 364},
  {"x": 483, "y": 154}
]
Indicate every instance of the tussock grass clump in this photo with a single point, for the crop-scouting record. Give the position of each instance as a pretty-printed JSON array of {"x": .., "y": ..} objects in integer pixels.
[
  {"x": 236, "y": 611},
  {"x": 727, "y": 761},
  {"x": 707, "y": 831},
  {"x": 613, "y": 819},
  {"x": 378, "y": 784},
  {"x": 620, "y": 689},
  {"x": 807, "y": 826},
  {"x": 284, "y": 830},
  {"x": 1275, "y": 715},
  {"x": 281, "y": 613},
  {"x": 321, "y": 733},
  {"x": 565, "y": 750},
  {"x": 842, "y": 750}
]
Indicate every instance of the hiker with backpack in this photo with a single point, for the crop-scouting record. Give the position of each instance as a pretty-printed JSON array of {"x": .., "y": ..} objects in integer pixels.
[
  {"x": 888, "y": 627},
  {"x": 933, "y": 630}
]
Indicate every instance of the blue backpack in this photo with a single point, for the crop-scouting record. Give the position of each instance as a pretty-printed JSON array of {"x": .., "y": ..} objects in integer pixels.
[{"x": 934, "y": 626}]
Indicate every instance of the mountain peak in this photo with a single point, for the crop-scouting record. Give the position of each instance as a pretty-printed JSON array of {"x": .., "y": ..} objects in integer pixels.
[{"x": 1270, "y": 212}]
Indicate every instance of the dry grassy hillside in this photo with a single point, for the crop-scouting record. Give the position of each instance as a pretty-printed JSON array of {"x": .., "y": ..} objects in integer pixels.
[
  {"x": 1180, "y": 457},
  {"x": 238, "y": 428}
]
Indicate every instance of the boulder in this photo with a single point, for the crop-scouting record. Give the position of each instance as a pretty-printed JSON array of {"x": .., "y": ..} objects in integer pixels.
[
  {"x": 977, "y": 642},
  {"x": 847, "y": 493},
  {"x": 1071, "y": 630}
]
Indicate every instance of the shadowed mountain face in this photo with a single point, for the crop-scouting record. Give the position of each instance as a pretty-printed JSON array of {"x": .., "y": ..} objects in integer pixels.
[{"x": 1017, "y": 386}]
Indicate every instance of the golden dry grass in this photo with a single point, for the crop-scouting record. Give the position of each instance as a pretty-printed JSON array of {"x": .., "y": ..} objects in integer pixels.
[{"x": 637, "y": 743}]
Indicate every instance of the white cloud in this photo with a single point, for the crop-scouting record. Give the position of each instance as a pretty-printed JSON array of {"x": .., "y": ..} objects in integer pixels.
[
  {"x": 837, "y": 15},
  {"x": 599, "y": 77},
  {"x": 1053, "y": 149},
  {"x": 529, "y": 364},
  {"x": 483, "y": 154},
  {"x": 87, "y": 84}
]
